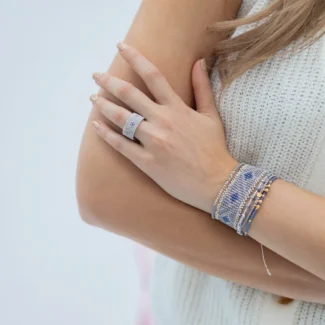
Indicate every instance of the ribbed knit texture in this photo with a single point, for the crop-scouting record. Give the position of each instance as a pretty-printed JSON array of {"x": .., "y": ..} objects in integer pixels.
[{"x": 274, "y": 117}]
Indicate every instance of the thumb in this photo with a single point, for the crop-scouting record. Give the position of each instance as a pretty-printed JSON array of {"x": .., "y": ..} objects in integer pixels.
[{"x": 204, "y": 98}]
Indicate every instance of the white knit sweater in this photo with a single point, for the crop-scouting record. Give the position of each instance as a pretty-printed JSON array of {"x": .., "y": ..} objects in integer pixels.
[{"x": 274, "y": 117}]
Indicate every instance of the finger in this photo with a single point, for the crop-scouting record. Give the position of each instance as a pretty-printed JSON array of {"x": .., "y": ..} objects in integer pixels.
[
  {"x": 149, "y": 73},
  {"x": 130, "y": 149},
  {"x": 204, "y": 97},
  {"x": 127, "y": 93},
  {"x": 119, "y": 115}
]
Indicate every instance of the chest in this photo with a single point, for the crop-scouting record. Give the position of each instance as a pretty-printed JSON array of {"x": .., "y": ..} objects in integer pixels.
[{"x": 274, "y": 114}]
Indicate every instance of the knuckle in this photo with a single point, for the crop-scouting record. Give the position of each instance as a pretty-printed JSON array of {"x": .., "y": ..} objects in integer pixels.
[
  {"x": 165, "y": 122},
  {"x": 118, "y": 117},
  {"x": 124, "y": 90},
  {"x": 153, "y": 73},
  {"x": 135, "y": 54},
  {"x": 159, "y": 140}
]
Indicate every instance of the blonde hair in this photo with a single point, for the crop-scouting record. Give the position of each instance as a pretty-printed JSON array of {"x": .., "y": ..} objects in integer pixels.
[{"x": 278, "y": 25}]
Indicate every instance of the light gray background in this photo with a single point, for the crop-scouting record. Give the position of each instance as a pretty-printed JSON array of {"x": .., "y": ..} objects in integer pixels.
[{"x": 54, "y": 268}]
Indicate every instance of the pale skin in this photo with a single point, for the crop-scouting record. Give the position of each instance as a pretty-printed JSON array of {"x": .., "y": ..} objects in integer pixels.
[{"x": 112, "y": 180}]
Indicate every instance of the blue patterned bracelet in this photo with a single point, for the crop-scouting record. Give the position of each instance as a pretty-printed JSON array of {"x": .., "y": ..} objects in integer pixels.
[
  {"x": 234, "y": 207},
  {"x": 216, "y": 204},
  {"x": 236, "y": 193}
]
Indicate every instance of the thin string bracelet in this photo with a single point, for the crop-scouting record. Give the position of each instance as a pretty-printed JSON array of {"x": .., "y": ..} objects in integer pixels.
[
  {"x": 244, "y": 216},
  {"x": 258, "y": 203},
  {"x": 266, "y": 190},
  {"x": 262, "y": 248},
  {"x": 265, "y": 265}
]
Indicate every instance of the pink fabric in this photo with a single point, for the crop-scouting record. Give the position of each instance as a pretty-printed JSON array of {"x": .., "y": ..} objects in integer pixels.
[{"x": 145, "y": 260}]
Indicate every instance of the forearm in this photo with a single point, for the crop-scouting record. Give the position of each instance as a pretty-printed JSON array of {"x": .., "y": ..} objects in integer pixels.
[
  {"x": 144, "y": 213},
  {"x": 291, "y": 222}
]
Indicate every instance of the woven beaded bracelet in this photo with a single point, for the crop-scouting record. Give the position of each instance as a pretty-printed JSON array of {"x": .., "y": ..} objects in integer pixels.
[
  {"x": 229, "y": 179},
  {"x": 236, "y": 193}
]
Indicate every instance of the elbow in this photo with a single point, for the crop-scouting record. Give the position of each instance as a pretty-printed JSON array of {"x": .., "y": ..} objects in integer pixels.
[
  {"x": 91, "y": 209},
  {"x": 102, "y": 213},
  {"x": 103, "y": 198},
  {"x": 85, "y": 205},
  {"x": 97, "y": 189},
  {"x": 86, "y": 196},
  {"x": 96, "y": 205}
]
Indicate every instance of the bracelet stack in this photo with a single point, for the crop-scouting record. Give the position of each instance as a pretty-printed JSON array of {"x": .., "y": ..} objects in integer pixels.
[{"x": 241, "y": 196}]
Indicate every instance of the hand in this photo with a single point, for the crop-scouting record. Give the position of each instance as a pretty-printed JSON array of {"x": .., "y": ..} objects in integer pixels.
[{"x": 182, "y": 150}]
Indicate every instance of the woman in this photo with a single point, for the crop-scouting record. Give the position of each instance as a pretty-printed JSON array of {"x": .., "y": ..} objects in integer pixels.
[{"x": 161, "y": 187}]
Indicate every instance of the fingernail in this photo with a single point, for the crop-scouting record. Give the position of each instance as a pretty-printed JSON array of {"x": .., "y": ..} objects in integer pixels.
[
  {"x": 93, "y": 98},
  {"x": 203, "y": 65},
  {"x": 121, "y": 46},
  {"x": 97, "y": 76},
  {"x": 96, "y": 125}
]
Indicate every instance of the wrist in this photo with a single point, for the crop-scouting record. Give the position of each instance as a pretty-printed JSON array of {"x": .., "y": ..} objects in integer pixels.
[
  {"x": 241, "y": 197},
  {"x": 217, "y": 183}
]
